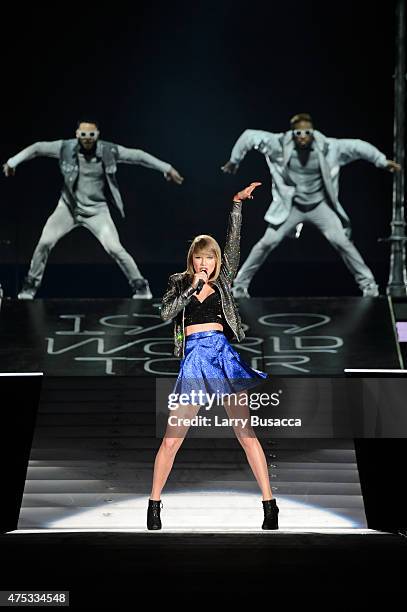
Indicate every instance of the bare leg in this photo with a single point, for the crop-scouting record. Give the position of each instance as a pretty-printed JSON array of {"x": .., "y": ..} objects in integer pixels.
[
  {"x": 237, "y": 408},
  {"x": 173, "y": 438}
]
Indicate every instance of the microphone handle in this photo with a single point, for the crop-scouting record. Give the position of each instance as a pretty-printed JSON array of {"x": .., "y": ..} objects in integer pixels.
[{"x": 199, "y": 286}]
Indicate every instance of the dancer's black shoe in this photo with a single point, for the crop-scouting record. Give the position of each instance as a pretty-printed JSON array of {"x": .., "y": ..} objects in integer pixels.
[{"x": 141, "y": 289}]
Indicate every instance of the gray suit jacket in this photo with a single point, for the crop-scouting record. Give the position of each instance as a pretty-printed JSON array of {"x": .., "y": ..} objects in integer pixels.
[
  {"x": 333, "y": 153},
  {"x": 111, "y": 154}
]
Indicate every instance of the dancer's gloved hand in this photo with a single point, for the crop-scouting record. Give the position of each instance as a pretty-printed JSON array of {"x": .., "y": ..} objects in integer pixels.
[
  {"x": 229, "y": 168},
  {"x": 392, "y": 166},
  {"x": 246, "y": 194},
  {"x": 174, "y": 175},
  {"x": 8, "y": 170}
]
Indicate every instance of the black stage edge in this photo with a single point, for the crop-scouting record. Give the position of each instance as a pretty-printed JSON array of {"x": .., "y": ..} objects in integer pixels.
[
  {"x": 117, "y": 569},
  {"x": 381, "y": 465},
  {"x": 19, "y": 400}
]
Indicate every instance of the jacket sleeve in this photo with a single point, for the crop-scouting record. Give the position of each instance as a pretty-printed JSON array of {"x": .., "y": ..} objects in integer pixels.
[
  {"x": 173, "y": 300},
  {"x": 38, "y": 149},
  {"x": 351, "y": 149},
  {"x": 265, "y": 142},
  {"x": 137, "y": 156},
  {"x": 231, "y": 252}
]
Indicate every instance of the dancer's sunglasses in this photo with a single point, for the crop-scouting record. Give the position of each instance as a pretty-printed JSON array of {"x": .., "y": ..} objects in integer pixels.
[
  {"x": 87, "y": 134},
  {"x": 308, "y": 132}
]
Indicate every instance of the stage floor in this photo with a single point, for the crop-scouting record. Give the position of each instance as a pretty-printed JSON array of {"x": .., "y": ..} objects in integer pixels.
[
  {"x": 320, "y": 530},
  {"x": 92, "y": 459},
  {"x": 287, "y": 336}
]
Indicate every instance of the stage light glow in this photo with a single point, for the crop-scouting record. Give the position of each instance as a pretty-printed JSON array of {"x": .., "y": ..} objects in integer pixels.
[{"x": 199, "y": 510}]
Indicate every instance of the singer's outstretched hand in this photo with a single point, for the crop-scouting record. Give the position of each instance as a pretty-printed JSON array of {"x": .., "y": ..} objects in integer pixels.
[{"x": 246, "y": 194}]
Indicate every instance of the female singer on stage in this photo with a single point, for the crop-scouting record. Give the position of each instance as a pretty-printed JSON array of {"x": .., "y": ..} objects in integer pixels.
[{"x": 202, "y": 327}]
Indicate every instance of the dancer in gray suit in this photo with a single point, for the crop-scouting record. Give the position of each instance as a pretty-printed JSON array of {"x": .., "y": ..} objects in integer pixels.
[
  {"x": 88, "y": 166},
  {"x": 304, "y": 166}
]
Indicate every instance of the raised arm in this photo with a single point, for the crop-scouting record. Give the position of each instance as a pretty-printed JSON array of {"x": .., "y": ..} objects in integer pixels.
[
  {"x": 137, "y": 156},
  {"x": 174, "y": 300},
  {"x": 351, "y": 149},
  {"x": 38, "y": 149},
  {"x": 265, "y": 142},
  {"x": 231, "y": 251}
]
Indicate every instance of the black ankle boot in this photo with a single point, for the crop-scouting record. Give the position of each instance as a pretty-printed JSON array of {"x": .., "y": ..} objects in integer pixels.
[
  {"x": 153, "y": 514},
  {"x": 271, "y": 511}
]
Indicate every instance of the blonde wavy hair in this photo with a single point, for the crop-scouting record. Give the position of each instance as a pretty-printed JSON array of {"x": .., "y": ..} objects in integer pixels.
[{"x": 204, "y": 244}]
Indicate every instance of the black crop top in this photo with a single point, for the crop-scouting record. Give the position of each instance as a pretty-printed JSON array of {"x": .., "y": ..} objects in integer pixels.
[{"x": 209, "y": 311}]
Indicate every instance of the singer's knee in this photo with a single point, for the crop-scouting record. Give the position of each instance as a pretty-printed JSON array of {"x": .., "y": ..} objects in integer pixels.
[{"x": 171, "y": 445}]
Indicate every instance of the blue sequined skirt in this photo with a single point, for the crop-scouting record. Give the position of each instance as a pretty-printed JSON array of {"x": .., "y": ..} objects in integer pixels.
[{"x": 213, "y": 366}]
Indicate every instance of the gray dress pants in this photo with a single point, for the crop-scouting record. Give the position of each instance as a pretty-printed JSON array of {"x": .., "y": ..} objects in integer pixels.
[
  {"x": 331, "y": 227},
  {"x": 61, "y": 222}
]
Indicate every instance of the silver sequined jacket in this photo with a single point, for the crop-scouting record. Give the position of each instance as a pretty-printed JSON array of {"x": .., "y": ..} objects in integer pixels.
[{"x": 180, "y": 289}]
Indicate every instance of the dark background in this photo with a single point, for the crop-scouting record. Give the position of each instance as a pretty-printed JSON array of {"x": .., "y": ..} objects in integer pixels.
[{"x": 182, "y": 81}]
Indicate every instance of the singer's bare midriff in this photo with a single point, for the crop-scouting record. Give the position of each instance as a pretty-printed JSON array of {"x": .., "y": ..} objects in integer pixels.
[{"x": 193, "y": 329}]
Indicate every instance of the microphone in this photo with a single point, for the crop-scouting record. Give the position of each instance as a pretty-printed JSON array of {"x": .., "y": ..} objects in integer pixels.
[
  {"x": 199, "y": 286},
  {"x": 201, "y": 283}
]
